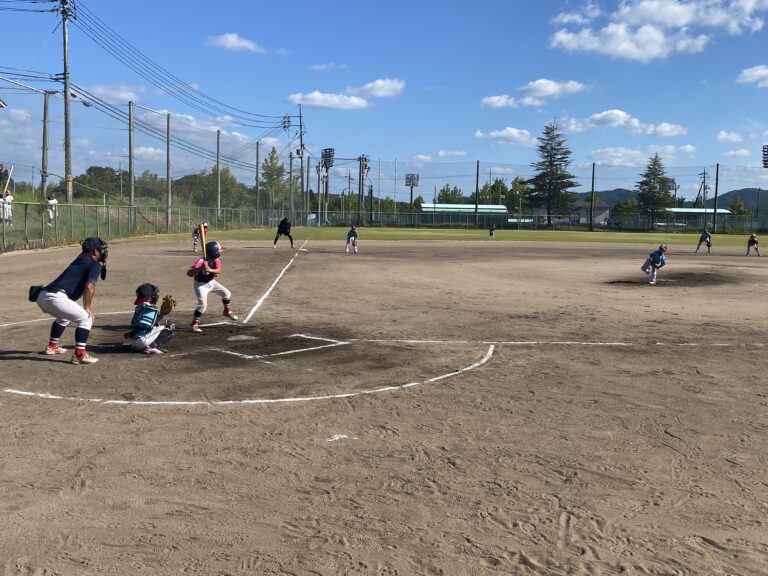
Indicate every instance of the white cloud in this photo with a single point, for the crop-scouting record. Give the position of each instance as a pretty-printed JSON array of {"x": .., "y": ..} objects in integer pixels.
[
  {"x": 544, "y": 88},
  {"x": 619, "y": 118},
  {"x": 645, "y": 30},
  {"x": 149, "y": 153},
  {"x": 328, "y": 66},
  {"x": 586, "y": 15},
  {"x": 724, "y": 136},
  {"x": 319, "y": 99},
  {"x": 757, "y": 75},
  {"x": 422, "y": 158},
  {"x": 234, "y": 42},
  {"x": 509, "y": 135},
  {"x": 740, "y": 152},
  {"x": 506, "y": 101},
  {"x": 535, "y": 92},
  {"x": 451, "y": 154},
  {"x": 19, "y": 114},
  {"x": 620, "y": 156},
  {"x": 116, "y": 93},
  {"x": 381, "y": 88}
]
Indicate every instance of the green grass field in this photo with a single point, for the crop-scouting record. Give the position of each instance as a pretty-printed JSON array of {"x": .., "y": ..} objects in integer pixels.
[{"x": 394, "y": 234}]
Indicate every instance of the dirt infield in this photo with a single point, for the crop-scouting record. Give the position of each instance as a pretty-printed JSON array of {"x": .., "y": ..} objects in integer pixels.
[{"x": 420, "y": 408}]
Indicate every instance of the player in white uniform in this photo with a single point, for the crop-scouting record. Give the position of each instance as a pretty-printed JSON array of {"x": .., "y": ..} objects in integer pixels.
[{"x": 204, "y": 271}]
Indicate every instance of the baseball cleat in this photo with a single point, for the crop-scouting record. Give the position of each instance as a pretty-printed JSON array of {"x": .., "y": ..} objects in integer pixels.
[
  {"x": 152, "y": 351},
  {"x": 229, "y": 314},
  {"x": 51, "y": 351},
  {"x": 84, "y": 359},
  {"x": 195, "y": 328}
]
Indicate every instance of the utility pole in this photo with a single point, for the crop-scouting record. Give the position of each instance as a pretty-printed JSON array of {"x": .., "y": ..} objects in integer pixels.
[
  {"x": 168, "y": 173},
  {"x": 717, "y": 183},
  {"x": 64, "y": 10},
  {"x": 363, "y": 161},
  {"x": 218, "y": 175},
  {"x": 290, "y": 181},
  {"x": 44, "y": 164},
  {"x": 257, "y": 181},
  {"x": 131, "y": 176},
  {"x": 301, "y": 155}
]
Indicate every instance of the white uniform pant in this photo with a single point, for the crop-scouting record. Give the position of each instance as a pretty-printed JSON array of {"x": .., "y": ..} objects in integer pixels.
[
  {"x": 141, "y": 343},
  {"x": 58, "y": 305},
  {"x": 649, "y": 267},
  {"x": 202, "y": 289}
]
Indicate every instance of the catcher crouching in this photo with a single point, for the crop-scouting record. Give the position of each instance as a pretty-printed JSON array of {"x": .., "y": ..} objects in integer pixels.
[{"x": 146, "y": 334}]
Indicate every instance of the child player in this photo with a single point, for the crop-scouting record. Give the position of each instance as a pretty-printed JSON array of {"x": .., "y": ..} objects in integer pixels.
[
  {"x": 204, "y": 271},
  {"x": 753, "y": 242},
  {"x": 655, "y": 260},
  {"x": 146, "y": 334},
  {"x": 351, "y": 239}
]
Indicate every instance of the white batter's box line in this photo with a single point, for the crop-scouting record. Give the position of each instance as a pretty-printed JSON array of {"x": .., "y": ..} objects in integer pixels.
[
  {"x": 403, "y": 341},
  {"x": 262, "y": 357},
  {"x": 560, "y": 343},
  {"x": 391, "y": 388}
]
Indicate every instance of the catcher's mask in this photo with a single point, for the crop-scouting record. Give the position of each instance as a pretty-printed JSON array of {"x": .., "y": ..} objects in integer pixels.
[
  {"x": 94, "y": 243},
  {"x": 212, "y": 249},
  {"x": 663, "y": 248},
  {"x": 147, "y": 292}
]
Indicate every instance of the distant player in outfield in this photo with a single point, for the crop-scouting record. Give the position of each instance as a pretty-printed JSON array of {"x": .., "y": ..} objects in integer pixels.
[
  {"x": 705, "y": 238},
  {"x": 351, "y": 240},
  {"x": 204, "y": 271},
  {"x": 753, "y": 242},
  {"x": 492, "y": 232},
  {"x": 654, "y": 262},
  {"x": 283, "y": 229}
]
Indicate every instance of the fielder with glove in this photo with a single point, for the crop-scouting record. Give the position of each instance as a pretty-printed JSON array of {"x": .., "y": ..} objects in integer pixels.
[
  {"x": 351, "y": 239},
  {"x": 146, "y": 333}
]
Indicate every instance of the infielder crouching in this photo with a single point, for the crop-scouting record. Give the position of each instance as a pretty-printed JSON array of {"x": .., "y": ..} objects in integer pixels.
[
  {"x": 204, "y": 272},
  {"x": 146, "y": 333},
  {"x": 59, "y": 299}
]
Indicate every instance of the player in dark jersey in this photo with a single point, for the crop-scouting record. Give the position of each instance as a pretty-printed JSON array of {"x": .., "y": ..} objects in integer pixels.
[
  {"x": 283, "y": 229},
  {"x": 59, "y": 299}
]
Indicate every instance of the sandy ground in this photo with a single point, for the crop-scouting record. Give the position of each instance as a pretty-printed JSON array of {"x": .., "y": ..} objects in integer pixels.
[{"x": 420, "y": 408}]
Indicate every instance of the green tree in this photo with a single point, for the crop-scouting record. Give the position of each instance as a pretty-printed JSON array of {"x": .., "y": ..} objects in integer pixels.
[
  {"x": 654, "y": 190},
  {"x": 625, "y": 208},
  {"x": 517, "y": 197},
  {"x": 740, "y": 211},
  {"x": 552, "y": 181},
  {"x": 448, "y": 195},
  {"x": 417, "y": 202},
  {"x": 273, "y": 179}
]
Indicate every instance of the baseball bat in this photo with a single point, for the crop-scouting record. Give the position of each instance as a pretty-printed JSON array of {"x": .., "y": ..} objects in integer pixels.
[{"x": 201, "y": 231}]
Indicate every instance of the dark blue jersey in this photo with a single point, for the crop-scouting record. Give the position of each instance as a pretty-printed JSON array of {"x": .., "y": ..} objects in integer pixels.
[{"x": 80, "y": 272}]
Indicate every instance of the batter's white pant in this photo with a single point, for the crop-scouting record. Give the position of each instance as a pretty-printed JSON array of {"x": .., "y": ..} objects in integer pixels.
[
  {"x": 58, "y": 305},
  {"x": 202, "y": 289}
]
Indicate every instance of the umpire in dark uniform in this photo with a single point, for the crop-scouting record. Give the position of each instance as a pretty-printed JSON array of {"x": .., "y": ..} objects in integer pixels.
[{"x": 59, "y": 299}]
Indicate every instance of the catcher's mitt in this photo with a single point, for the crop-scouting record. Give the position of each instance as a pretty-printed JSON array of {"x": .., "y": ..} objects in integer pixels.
[{"x": 168, "y": 305}]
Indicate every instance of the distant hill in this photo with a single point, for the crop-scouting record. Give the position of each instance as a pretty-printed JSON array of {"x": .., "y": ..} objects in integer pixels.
[
  {"x": 749, "y": 196},
  {"x": 608, "y": 197}
]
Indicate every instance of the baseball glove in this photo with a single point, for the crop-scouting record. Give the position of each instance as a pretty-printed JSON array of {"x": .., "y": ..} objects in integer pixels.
[{"x": 168, "y": 305}]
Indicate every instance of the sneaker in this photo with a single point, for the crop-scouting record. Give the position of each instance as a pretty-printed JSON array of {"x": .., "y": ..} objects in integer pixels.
[
  {"x": 229, "y": 314},
  {"x": 195, "y": 327},
  {"x": 152, "y": 351},
  {"x": 652, "y": 282},
  {"x": 274, "y": 245},
  {"x": 51, "y": 351},
  {"x": 84, "y": 359}
]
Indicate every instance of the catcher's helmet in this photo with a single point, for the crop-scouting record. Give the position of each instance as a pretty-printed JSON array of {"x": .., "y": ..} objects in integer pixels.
[
  {"x": 212, "y": 249},
  {"x": 147, "y": 292},
  {"x": 94, "y": 243},
  {"x": 663, "y": 248}
]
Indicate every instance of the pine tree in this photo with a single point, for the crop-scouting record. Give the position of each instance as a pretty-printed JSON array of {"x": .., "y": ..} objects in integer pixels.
[
  {"x": 654, "y": 190},
  {"x": 550, "y": 185}
]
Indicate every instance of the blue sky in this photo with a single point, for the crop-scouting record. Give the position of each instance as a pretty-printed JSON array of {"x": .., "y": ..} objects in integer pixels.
[{"x": 422, "y": 82}]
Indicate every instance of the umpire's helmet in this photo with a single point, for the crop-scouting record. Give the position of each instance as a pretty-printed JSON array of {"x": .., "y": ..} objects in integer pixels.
[
  {"x": 212, "y": 249},
  {"x": 147, "y": 292},
  {"x": 95, "y": 243}
]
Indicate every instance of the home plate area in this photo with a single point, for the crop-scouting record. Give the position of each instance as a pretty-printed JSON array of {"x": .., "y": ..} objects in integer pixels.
[{"x": 236, "y": 363}]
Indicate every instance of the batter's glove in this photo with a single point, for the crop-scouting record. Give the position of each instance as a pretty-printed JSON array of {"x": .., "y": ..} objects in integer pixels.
[{"x": 168, "y": 305}]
